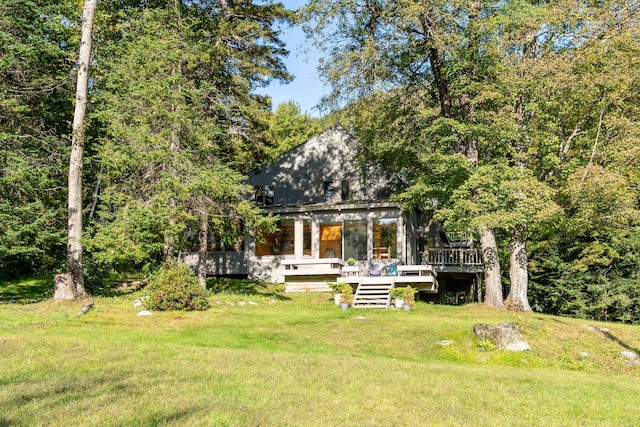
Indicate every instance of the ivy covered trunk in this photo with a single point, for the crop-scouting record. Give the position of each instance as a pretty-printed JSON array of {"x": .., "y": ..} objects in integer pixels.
[
  {"x": 493, "y": 286},
  {"x": 518, "y": 275}
]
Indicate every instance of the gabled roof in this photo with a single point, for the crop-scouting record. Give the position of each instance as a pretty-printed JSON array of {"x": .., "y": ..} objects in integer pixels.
[{"x": 301, "y": 175}]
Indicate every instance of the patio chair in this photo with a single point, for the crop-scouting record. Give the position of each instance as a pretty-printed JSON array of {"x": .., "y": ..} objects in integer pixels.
[{"x": 374, "y": 270}]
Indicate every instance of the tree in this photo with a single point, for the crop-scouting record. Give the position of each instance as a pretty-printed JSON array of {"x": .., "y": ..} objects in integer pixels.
[
  {"x": 434, "y": 65},
  {"x": 288, "y": 128},
  {"x": 35, "y": 98},
  {"x": 178, "y": 128},
  {"x": 71, "y": 285}
]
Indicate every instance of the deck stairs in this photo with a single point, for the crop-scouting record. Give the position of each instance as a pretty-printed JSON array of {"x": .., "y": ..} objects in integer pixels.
[{"x": 373, "y": 294}]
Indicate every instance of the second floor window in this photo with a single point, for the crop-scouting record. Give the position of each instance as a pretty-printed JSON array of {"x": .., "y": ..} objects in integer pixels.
[
  {"x": 264, "y": 195},
  {"x": 328, "y": 191},
  {"x": 345, "y": 190}
]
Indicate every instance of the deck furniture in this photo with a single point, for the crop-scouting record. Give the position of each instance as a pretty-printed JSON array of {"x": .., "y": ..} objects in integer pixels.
[{"x": 383, "y": 252}]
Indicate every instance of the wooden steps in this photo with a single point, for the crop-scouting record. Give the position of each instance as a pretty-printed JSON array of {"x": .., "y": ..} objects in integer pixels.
[{"x": 372, "y": 293}]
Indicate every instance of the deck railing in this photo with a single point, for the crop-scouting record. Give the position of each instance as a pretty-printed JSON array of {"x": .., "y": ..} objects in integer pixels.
[{"x": 459, "y": 257}]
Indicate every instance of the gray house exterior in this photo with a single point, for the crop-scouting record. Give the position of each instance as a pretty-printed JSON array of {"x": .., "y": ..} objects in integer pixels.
[{"x": 332, "y": 209}]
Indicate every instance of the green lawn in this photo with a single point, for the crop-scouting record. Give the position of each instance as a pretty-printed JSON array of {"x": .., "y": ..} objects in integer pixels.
[{"x": 298, "y": 360}]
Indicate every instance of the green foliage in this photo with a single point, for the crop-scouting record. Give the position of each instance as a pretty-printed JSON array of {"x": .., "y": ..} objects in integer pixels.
[
  {"x": 486, "y": 345},
  {"x": 500, "y": 197},
  {"x": 289, "y": 128},
  {"x": 175, "y": 287},
  {"x": 336, "y": 287},
  {"x": 36, "y": 59},
  {"x": 397, "y": 293},
  {"x": 351, "y": 262},
  {"x": 346, "y": 293},
  {"x": 409, "y": 295}
]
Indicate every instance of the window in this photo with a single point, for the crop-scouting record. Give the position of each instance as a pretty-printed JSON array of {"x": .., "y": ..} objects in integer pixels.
[
  {"x": 306, "y": 238},
  {"x": 328, "y": 191},
  {"x": 345, "y": 190},
  {"x": 264, "y": 195},
  {"x": 385, "y": 238},
  {"x": 279, "y": 243},
  {"x": 331, "y": 240},
  {"x": 355, "y": 240}
]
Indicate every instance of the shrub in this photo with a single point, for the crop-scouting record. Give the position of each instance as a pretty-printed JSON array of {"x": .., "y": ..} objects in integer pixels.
[
  {"x": 336, "y": 287},
  {"x": 410, "y": 295},
  {"x": 175, "y": 287},
  {"x": 397, "y": 293},
  {"x": 347, "y": 293},
  {"x": 351, "y": 261}
]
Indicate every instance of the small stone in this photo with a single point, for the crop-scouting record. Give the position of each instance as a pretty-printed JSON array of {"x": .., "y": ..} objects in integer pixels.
[
  {"x": 242, "y": 303},
  {"x": 144, "y": 313},
  {"x": 231, "y": 303},
  {"x": 446, "y": 342},
  {"x": 629, "y": 355},
  {"x": 634, "y": 362},
  {"x": 360, "y": 318},
  {"x": 137, "y": 303},
  {"x": 253, "y": 303},
  {"x": 218, "y": 302},
  {"x": 584, "y": 354}
]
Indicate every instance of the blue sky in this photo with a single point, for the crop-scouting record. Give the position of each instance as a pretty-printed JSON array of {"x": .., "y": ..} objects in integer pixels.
[{"x": 306, "y": 89}]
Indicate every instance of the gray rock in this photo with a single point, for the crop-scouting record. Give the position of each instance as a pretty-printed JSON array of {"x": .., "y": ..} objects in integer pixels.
[
  {"x": 505, "y": 338},
  {"x": 629, "y": 355},
  {"x": 446, "y": 342},
  {"x": 144, "y": 313}
]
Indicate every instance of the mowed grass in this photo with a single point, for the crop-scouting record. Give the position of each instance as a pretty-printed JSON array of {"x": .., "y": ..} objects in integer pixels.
[{"x": 300, "y": 361}]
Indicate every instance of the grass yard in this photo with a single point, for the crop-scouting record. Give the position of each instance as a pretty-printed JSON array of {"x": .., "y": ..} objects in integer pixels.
[{"x": 298, "y": 360}]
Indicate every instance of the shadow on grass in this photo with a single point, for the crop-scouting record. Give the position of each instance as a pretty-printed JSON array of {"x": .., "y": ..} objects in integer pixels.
[
  {"x": 91, "y": 387},
  {"x": 617, "y": 340},
  {"x": 246, "y": 287},
  {"x": 28, "y": 290},
  {"x": 39, "y": 288}
]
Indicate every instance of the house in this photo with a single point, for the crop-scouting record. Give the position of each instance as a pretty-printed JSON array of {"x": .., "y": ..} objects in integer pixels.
[{"x": 331, "y": 208}]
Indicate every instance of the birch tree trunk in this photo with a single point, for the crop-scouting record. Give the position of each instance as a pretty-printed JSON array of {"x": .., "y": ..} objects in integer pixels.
[
  {"x": 493, "y": 286},
  {"x": 518, "y": 273},
  {"x": 202, "y": 253},
  {"x": 75, "y": 281}
]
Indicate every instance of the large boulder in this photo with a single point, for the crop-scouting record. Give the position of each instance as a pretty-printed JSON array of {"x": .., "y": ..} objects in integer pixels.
[{"x": 505, "y": 336}]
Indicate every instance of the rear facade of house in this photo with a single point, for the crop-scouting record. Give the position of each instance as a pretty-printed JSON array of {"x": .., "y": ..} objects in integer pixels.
[{"x": 331, "y": 209}]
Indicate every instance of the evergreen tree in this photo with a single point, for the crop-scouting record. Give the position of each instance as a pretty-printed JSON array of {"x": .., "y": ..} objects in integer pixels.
[
  {"x": 36, "y": 63},
  {"x": 180, "y": 125}
]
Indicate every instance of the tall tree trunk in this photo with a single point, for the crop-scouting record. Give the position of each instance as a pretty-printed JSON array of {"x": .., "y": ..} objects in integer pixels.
[
  {"x": 493, "y": 286},
  {"x": 518, "y": 275},
  {"x": 202, "y": 253},
  {"x": 74, "y": 224}
]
